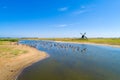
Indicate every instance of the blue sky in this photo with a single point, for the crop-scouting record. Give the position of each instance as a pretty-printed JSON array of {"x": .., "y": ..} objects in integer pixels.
[{"x": 59, "y": 18}]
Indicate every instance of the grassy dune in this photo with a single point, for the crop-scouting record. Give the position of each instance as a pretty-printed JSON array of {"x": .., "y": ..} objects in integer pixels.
[
  {"x": 112, "y": 41},
  {"x": 9, "y": 39},
  {"x": 14, "y": 57},
  {"x": 10, "y": 51},
  {"x": 7, "y": 49},
  {"x": 6, "y": 41}
]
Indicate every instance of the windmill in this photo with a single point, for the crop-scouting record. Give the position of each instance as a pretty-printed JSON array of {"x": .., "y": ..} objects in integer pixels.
[{"x": 83, "y": 36}]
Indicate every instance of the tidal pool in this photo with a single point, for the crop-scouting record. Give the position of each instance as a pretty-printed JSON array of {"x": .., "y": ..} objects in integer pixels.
[{"x": 69, "y": 61}]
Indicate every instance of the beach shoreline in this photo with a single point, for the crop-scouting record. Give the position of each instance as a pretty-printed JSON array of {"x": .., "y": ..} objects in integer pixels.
[{"x": 11, "y": 68}]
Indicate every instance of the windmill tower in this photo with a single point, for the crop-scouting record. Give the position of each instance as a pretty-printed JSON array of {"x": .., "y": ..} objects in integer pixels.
[{"x": 83, "y": 36}]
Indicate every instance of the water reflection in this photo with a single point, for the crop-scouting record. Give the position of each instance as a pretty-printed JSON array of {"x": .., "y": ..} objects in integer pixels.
[
  {"x": 69, "y": 61},
  {"x": 58, "y": 46}
]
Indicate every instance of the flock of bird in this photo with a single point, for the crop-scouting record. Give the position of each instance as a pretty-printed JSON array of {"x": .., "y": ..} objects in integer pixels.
[{"x": 56, "y": 45}]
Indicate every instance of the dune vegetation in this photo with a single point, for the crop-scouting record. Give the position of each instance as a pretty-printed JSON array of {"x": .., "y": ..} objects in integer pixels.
[
  {"x": 15, "y": 57},
  {"x": 8, "y": 48}
]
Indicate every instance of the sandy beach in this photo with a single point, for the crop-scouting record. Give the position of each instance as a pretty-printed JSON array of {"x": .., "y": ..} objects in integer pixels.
[{"x": 11, "y": 67}]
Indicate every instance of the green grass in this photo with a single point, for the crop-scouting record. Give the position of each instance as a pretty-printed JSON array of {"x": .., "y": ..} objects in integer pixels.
[
  {"x": 17, "y": 52},
  {"x": 8, "y": 51},
  {"x": 6, "y": 41},
  {"x": 9, "y": 39},
  {"x": 112, "y": 41}
]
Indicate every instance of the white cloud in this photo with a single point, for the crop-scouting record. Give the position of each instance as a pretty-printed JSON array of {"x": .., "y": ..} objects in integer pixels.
[
  {"x": 62, "y": 26},
  {"x": 83, "y": 9},
  {"x": 66, "y": 25},
  {"x": 63, "y": 9},
  {"x": 79, "y": 12}
]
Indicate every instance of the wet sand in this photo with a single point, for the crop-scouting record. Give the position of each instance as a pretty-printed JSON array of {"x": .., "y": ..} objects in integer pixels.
[{"x": 11, "y": 67}]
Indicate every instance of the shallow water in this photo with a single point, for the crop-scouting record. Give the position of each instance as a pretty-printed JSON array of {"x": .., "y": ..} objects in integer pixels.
[{"x": 69, "y": 61}]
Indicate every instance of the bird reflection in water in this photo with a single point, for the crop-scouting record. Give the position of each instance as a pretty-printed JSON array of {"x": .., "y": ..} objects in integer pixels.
[{"x": 55, "y": 45}]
